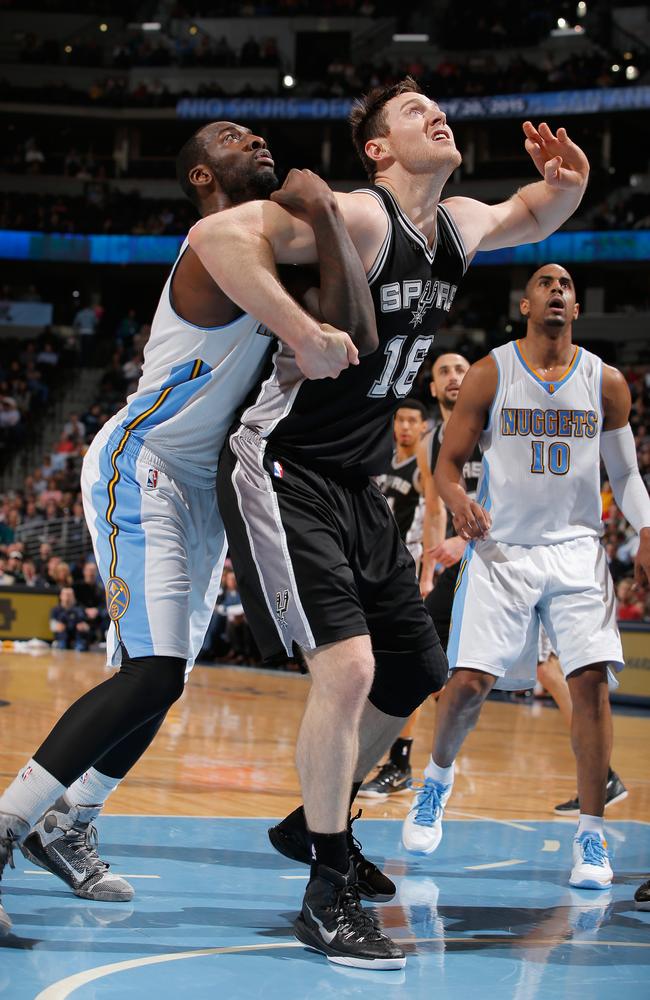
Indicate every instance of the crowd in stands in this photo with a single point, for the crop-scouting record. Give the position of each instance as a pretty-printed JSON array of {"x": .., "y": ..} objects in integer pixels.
[
  {"x": 469, "y": 75},
  {"x": 98, "y": 212},
  {"x": 44, "y": 520},
  {"x": 137, "y": 49},
  {"x": 29, "y": 372}
]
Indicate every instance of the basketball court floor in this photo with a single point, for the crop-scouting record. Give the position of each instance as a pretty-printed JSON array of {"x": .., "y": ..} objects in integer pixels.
[{"x": 489, "y": 914}]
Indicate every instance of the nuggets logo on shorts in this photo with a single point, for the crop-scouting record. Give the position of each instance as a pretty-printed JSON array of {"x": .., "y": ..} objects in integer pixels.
[{"x": 117, "y": 597}]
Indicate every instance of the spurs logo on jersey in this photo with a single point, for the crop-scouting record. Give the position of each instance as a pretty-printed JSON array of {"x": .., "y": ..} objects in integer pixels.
[
  {"x": 396, "y": 296},
  {"x": 344, "y": 426},
  {"x": 400, "y": 484},
  {"x": 542, "y": 444}
]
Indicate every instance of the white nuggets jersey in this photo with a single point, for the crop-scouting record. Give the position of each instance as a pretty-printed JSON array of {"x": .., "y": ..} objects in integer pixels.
[
  {"x": 193, "y": 380},
  {"x": 541, "y": 451}
]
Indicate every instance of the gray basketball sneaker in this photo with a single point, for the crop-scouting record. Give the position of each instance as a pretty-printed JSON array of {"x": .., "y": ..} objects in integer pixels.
[
  {"x": 64, "y": 842},
  {"x": 11, "y": 830}
]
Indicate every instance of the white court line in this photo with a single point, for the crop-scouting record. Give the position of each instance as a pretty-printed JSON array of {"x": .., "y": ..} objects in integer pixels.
[
  {"x": 31, "y": 871},
  {"x": 64, "y": 987},
  {"x": 495, "y": 864},
  {"x": 490, "y": 819},
  {"x": 303, "y": 877},
  {"x": 551, "y": 845}
]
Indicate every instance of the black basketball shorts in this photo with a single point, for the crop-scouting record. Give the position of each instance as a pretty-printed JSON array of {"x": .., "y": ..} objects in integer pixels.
[
  {"x": 440, "y": 602},
  {"x": 317, "y": 560}
]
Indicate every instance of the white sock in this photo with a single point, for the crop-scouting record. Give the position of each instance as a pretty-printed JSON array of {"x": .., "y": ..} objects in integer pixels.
[
  {"x": 91, "y": 789},
  {"x": 444, "y": 775},
  {"x": 591, "y": 824},
  {"x": 31, "y": 792}
]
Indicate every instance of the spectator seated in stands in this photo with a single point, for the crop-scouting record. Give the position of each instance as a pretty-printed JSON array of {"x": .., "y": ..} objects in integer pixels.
[
  {"x": 30, "y": 576},
  {"x": 69, "y": 623},
  {"x": 90, "y": 595},
  {"x": 14, "y": 567},
  {"x": 629, "y": 602}
]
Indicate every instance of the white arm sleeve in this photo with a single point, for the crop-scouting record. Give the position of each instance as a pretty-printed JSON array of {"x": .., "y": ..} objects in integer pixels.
[{"x": 619, "y": 455}]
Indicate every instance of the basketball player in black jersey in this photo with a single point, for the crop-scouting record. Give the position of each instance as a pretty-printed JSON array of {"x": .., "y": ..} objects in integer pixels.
[
  {"x": 317, "y": 554},
  {"x": 400, "y": 482},
  {"x": 440, "y": 545}
]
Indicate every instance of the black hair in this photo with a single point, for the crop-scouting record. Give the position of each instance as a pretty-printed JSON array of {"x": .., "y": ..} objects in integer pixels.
[
  {"x": 191, "y": 154},
  {"x": 411, "y": 403}
]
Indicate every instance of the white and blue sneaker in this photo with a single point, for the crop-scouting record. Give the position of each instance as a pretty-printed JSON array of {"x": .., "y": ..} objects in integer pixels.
[
  {"x": 591, "y": 867},
  {"x": 422, "y": 828}
]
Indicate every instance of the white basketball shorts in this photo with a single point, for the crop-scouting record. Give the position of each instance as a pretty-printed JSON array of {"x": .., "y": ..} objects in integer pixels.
[
  {"x": 159, "y": 545},
  {"x": 504, "y": 591}
]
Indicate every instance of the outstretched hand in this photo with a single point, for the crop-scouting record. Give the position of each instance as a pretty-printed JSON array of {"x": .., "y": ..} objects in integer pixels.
[{"x": 561, "y": 163}]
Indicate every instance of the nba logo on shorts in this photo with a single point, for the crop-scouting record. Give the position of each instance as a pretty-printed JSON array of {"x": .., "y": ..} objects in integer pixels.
[
  {"x": 26, "y": 773},
  {"x": 278, "y": 471},
  {"x": 152, "y": 479}
]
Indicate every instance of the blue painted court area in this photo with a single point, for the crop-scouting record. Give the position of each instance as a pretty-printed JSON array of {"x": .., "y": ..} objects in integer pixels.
[{"x": 490, "y": 914}]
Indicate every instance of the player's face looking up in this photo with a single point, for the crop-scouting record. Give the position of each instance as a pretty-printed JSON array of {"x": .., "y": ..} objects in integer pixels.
[
  {"x": 448, "y": 372},
  {"x": 239, "y": 161},
  {"x": 409, "y": 426},
  {"x": 549, "y": 300},
  {"x": 418, "y": 137}
]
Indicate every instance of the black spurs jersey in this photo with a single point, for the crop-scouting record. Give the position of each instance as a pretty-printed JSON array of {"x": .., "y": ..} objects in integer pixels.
[
  {"x": 471, "y": 470},
  {"x": 400, "y": 485},
  {"x": 342, "y": 427}
]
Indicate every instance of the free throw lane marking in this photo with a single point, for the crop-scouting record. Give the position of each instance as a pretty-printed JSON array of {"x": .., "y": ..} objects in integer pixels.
[
  {"x": 551, "y": 845},
  {"x": 495, "y": 864}
]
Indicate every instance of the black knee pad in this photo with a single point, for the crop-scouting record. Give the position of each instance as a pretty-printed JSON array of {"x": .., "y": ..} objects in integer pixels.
[
  {"x": 404, "y": 680},
  {"x": 156, "y": 681}
]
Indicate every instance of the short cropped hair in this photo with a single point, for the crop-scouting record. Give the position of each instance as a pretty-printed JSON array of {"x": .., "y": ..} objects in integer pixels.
[
  {"x": 410, "y": 403},
  {"x": 368, "y": 117},
  {"x": 191, "y": 154}
]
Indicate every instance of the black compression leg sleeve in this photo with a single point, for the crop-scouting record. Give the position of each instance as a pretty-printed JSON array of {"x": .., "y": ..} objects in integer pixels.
[
  {"x": 121, "y": 758},
  {"x": 143, "y": 689}
]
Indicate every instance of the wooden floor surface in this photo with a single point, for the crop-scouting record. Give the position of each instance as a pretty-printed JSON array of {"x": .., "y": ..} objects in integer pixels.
[{"x": 227, "y": 746}]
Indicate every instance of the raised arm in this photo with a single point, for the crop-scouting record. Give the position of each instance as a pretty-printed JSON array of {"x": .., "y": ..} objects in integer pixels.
[
  {"x": 619, "y": 455},
  {"x": 535, "y": 211},
  {"x": 461, "y": 437},
  {"x": 343, "y": 297}
]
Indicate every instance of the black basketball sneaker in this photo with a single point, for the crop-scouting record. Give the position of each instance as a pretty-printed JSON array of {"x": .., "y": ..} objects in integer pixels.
[
  {"x": 64, "y": 842},
  {"x": 333, "y": 922},
  {"x": 291, "y": 839},
  {"x": 389, "y": 780},
  {"x": 615, "y": 792},
  {"x": 642, "y": 896},
  {"x": 11, "y": 829}
]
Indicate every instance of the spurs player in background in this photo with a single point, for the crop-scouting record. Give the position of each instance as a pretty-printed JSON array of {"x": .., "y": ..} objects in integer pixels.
[
  {"x": 440, "y": 545},
  {"x": 321, "y": 565},
  {"x": 401, "y": 482},
  {"x": 149, "y": 497},
  {"x": 544, "y": 411}
]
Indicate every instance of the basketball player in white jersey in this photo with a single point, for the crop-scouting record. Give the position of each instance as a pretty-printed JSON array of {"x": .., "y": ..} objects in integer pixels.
[
  {"x": 148, "y": 484},
  {"x": 544, "y": 411}
]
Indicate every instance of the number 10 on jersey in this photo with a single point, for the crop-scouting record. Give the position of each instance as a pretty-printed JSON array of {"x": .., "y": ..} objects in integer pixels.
[{"x": 557, "y": 460}]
